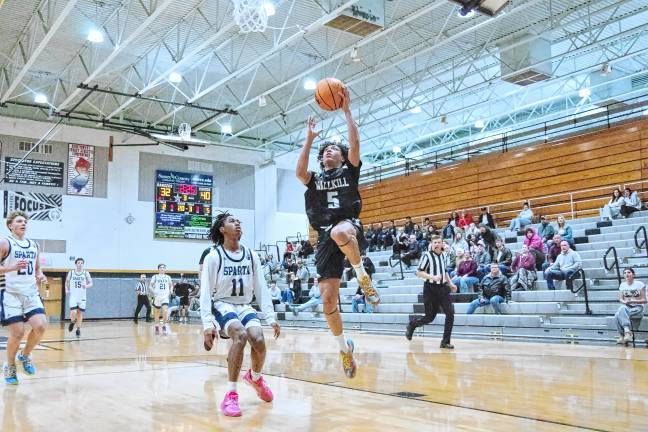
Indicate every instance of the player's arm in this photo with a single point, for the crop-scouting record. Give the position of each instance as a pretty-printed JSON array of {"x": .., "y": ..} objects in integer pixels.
[
  {"x": 88, "y": 280},
  {"x": 40, "y": 277},
  {"x": 302, "y": 172},
  {"x": 4, "y": 252},
  {"x": 67, "y": 282},
  {"x": 263, "y": 296},
  {"x": 352, "y": 127},
  {"x": 208, "y": 279}
]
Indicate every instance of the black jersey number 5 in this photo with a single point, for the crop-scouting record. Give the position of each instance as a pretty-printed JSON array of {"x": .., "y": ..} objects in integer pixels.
[{"x": 332, "y": 198}]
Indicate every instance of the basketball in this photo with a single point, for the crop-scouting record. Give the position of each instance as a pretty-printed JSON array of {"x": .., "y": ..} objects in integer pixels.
[{"x": 327, "y": 94}]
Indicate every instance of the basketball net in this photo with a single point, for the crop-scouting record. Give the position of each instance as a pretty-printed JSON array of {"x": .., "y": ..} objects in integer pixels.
[{"x": 250, "y": 15}]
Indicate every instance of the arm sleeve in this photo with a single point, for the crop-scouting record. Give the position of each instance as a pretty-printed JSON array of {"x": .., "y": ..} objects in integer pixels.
[
  {"x": 261, "y": 292},
  {"x": 208, "y": 279}
]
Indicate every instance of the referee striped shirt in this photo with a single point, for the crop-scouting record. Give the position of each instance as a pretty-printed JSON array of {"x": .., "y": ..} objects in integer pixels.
[
  {"x": 141, "y": 288},
  {"x": 434, "y": 265}
]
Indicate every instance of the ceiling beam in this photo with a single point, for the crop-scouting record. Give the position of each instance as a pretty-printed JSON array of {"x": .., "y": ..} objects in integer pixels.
[
  {"x": 39, "y": 49},
  {"x": 131, "y": 38}
]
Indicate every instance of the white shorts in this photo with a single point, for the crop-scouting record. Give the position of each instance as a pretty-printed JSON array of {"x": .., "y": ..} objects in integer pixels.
[
  {"x": 18, "y": 307},
  {"x": 77, "y": 302},
  {"x": 158, "y": 302},
  {"x": 227, "y": 313}
]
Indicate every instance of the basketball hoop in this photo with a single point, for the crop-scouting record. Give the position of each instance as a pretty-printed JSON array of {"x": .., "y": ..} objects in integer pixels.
[
  {"x": 250, "y": 15},
  {"x": 184, "y": 130}
]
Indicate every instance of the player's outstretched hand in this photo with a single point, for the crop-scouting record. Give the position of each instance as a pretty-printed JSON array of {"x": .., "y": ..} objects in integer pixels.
[
  {"x": 277, "y": 329},
  {"x": 311, "y": 133},
  {"x": 41, "y": 278},
  {"x": 209, "y": 336},
  {"x": 345, "y": 103}
]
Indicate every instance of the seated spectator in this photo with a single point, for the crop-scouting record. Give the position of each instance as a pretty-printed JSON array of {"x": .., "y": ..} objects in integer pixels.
[
  {"x": 450, "y": 257},
  {"x": 486, "y": 218},
  {"x": 388, "y": 236},
  {"x": 552, "y": 251},
  {"x": 631, "y": 203},
  {"x": 459, "y": 242},
  {"x": 524, "y": 270},
  {"x": 408, "y": 228},
  {"x": 567, "y": 263},
  {"x": 300, "y": 280},
  {"x": 612, "y": 209},
  {"x": 289, "y": 246},
  {"x": 287, "y": 295},
  {"x": 632, "y": 295},
  {"x": 546, "y": 230},
  {"x": 275, "y": 293},
  {"x": 369, "y": 234},
  {"x": 314, "y": 300},
  {"x": 426, "y": 224},
  {"x": 524, "y": 218},
  {"x": 427, "y": 235},
  {"x": 536, "y": 246},
  {"x": 420, "y": 237},
  {"x": 466, "y": 273},
  {"x": 464, "y": 220},
  {"x": 400, "y": 247},
  {"x": 359, "y": 299},
  {"x": 565, "y": 230},
  {"x": 494, "y": 290},
  {"x": 483, "y": 259},
  {"x": 489, "y": 238},
  {"x": 503, "y": 256},
  {"x": 349, "y": 272},
  {"x": 306, "y": 249},
  {"x": 413, "y": 252},
  {"x": 273, "y": 265},
  {"x": 450, "y": 228},
  {"x": 471, "y": 230}
]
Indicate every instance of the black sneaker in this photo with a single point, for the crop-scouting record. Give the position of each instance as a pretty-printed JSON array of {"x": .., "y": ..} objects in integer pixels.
[
  {"x": 410, "y": 331},
  {"x": 446, "y": 345},
  {"x": 71, "y": 326},
  {"x": 78, "y": 333}
]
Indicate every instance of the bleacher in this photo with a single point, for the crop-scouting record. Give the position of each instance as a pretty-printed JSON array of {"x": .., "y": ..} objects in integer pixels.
[{"x": 539, "y": 315}]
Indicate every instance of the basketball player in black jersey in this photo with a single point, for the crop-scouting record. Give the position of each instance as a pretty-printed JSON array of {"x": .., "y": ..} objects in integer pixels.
[{"x": 333, "y": 205}]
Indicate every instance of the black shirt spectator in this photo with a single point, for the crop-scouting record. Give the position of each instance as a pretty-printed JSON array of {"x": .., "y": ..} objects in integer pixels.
[
  {"x": 408, "y": 228},
  {"x": 485, "y": 218}
]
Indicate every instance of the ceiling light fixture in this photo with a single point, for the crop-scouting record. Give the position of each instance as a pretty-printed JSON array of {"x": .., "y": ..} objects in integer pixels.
[
  {"x": 269, "y": 8},
  {"x": 355, "y": 57},
  {"x": 175, "y": 77},
  {"x": 226, "y": 129},
  {"x": 479, "y": 124},
  {"x": 415, "y": 110},
  {"x": 95, "y": 36},
  {"x": 309, "y": 84},
  {"x": 396, "y": 149},
  {"x": 584, "y": 93},
  {"x": 40, "y": 98},
  {"x": 262, "y": 101}
]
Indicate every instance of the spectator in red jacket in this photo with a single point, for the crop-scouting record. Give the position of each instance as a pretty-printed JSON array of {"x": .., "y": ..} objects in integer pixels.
[
  {"x": 464, "y": 220},
  {"x": 524, "y": 270},
  {"x": 466, "y": 275},
  {"x": 536, "y": 246},
  {"x": 553, "y": 251}
]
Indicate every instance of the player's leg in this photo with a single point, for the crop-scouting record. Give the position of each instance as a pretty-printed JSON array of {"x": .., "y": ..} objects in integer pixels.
[
  {"x": 329, "y": 293},
  {"x": 163, "y": 320},
  {"x": 238, "y": 337},
  {"x": 258, "y": 355},
  {"x": 73, "y": 314},
  {"x": 79, "y": 319},
  {"x": 156, "y": 316},
  {"x": 348, "y": 237},
  {"x": 37, "y": 321},
  {"x": 16, "y": 332}
]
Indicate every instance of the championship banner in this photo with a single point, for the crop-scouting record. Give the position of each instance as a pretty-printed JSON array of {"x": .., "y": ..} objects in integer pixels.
[
  {"x": 80, "y": 170},
  {"x": 38, "y": 206},
  {"x": 34, "y": 172}
]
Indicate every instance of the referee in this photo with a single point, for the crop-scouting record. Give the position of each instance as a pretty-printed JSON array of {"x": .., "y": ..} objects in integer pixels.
[
  {"x": 142, "y": 298},
  {"x": 436, "y": 292}
]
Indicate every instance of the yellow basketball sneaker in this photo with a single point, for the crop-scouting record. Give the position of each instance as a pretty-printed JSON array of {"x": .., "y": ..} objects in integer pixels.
[
  {"x": 371, "y": 293},
  {"x": 348, "y": 364}
]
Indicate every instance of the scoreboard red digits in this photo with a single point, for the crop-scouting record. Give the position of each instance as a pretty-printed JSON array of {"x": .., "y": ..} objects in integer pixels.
[{"x": 187, "y": 189}]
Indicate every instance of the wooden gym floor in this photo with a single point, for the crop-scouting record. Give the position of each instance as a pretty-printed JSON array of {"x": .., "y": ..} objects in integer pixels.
[{"x": 121, "y": 377}]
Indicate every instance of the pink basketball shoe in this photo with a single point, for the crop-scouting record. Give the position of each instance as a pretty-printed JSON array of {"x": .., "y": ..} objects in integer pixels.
[
  {"x": 262, "y": 389},
  {"x": 230, "y": 406}
]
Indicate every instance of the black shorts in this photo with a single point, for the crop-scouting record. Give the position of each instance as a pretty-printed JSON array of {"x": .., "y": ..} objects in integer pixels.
[
  {"x": 184, "y": 301},
  {"x": 329, "y": 259}
]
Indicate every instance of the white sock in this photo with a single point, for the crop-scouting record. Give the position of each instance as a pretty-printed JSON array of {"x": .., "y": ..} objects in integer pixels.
[
  {"x": 256, "y": 375},
  {"x": 231, "y": 386},
  {"x": 359, "y": 270},
  {"x": 342, "y": 342}
]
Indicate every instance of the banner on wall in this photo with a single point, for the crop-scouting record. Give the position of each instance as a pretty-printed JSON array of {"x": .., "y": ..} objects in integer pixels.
[
  {"x": 80, "y": 170},
  {"x": 38, "y": 206},
  {"x": 34, "y": 172}
]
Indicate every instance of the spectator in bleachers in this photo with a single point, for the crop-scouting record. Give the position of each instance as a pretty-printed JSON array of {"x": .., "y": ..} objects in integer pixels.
[
  {"x": 359, "y": 299},
  {"x": 275, "y": 293},
  {"x": 290, "y": 247},
  {"x": 466, "y": 274},
  {"x": 631, "y": 202},
  {"x": 427, "y": 235},
  {"x": 565, "y": 231},
  {"x": 632, "y": 295},
  {"x": 471, "y": 230},
  {"x": 372, "y": 235},
  {"x": 426, "y": 224},
  {"x": 489, "y": 238},
  {"x": 459, "y": 242},
  {"x": 306, "y": 249},
  {"x": 552, "y": 251},
  {"x": 449, "y": 256},
  {"x": 287, "y": 295},
  {"x": 523, "y": 218},
  {"x": 567, "y": 263},
  {"x": 301, "y": 279},
  {"x": 400, "y": 246},
  {"x": 486, "y": 218},
  {"x": 273, "y": 265},
  {"x": 313, "y": 301},
  {"x": 464, "y": 220},
  {"x": 494, "y": 290},
  {"x": 612, "y": 209},
  {"x": 413, "y": 252},
  {"x": 546, "y": 230},
  {"x": 482, "y": 258},
  {"x": 408, "y": 228},
  {"x": 524, "y": 270},
  {"x": 450, "y": 228},
  {"x": 418, "y": 233},
  {"x": 503, "y": 256},
  {"x": 388, "y": 236},
  {"x": 536, "y": 246}
]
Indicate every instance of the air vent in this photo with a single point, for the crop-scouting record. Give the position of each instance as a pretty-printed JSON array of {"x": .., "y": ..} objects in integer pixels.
[
  {"x": 639, "y": 81},
  {"x": 361, "y": 19}
]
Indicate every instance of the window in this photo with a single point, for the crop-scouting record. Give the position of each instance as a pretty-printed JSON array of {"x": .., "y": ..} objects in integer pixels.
[{"x": 27, "y": 146}]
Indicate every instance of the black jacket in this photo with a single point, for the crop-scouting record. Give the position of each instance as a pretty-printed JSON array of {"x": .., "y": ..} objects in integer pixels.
[
  {"x": 506, "y": 258},
  {"x": 491, "y": 286}
]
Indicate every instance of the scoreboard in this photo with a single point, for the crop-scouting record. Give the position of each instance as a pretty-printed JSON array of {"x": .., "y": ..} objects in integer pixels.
[{"x": 183, "y": 205}]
